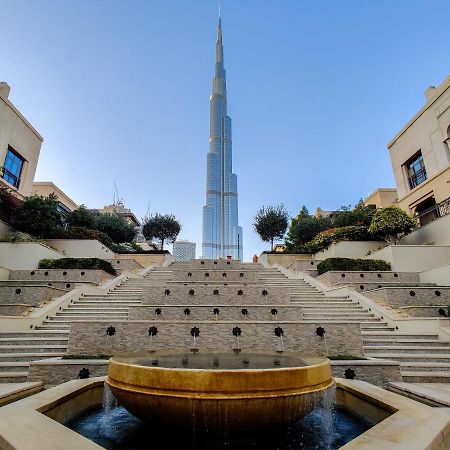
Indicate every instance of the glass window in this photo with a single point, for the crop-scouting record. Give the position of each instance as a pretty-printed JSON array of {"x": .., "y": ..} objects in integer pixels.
[
  {"x": 416, "y": 170},
  {"x": 12, "y": 167}
]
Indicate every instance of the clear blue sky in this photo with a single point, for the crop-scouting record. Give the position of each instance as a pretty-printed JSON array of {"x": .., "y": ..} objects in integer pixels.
[{"x": 120, "y": 92}]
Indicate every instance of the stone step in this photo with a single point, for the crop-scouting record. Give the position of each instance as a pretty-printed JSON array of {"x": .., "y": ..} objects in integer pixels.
[
  {"x": 415, "y": 342},
  {"x": 70, "y": 317},
  {"x": 49, "y": 327},
  {"x": 28, "y": 356},
  {"x": 17, "y": 366},
  {"x": 404, "y": 348},
  {"x": 35, "y": 333},
  {"x": 425, "y": 377},
  {"x": 30, "y": 341},
  {"x": 398, "y": 334},
  {"x": 376, "y": 326},
  {"x": 32, "y": 348},
  {"x": 353, "y": 315},
  {"x": 81, "y": 310},
  {"x": 425, "y": 366},
  {"x": 411, "y": 357},
  {"x": 13, "y": 377},
  {"x": 108, "y": 302},
  {"x": 91, "y": 308}
]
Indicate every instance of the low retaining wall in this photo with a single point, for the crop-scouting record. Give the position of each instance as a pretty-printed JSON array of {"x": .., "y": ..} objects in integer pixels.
[
  {"x": 15, "y": 310},
  {"x": 336, "y": 277},
  {"x": 179, "y": 294},
  {"x": 226, "y": 312},
  {"x": 241, "y": 276},
  {"x": 28, "y": 295},
  {"x": 397, "y": 297},
  {"x": 56, "y": 371},
  {"x": 90, "y": 338},
  {"x": 66, "y": 275}
]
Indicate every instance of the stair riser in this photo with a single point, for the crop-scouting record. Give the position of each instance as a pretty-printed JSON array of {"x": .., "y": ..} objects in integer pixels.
[
  {"x": 425, "y": 379},
  {"x": 33, "y": 342},
  {"x": 12, "y": 369},
  {"x": 29, "y": 358},
  {"x": 21, "y": 379},
  {"x": 430, "y": 352}
]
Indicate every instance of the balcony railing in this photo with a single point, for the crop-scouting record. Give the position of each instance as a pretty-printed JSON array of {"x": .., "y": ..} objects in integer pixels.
[
  {"x": 417, "y": 177},
  {"x": 434, "y": 212}
]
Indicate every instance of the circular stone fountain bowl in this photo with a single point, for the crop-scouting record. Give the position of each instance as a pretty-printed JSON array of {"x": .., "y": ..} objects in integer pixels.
[{"x": 219, "y": 390}]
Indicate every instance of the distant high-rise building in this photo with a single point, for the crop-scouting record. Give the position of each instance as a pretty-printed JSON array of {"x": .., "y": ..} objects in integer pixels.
[
  {"x": 222, "y": 235},
  {"x": 183, "y": 250}
]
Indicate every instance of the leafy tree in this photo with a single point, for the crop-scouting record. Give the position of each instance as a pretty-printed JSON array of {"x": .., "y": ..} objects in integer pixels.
[
  {"x": 391, "y": 224},
  {"x": 359, "y": 215},
  {"x": 82, "y": 217},
  {"x": 271, "y": 223},
  {"x": 303, "y": 228},
  {"x": 8, "y": 203},
  {"x": 39, "y": 216},
  {"x": 116, "y": 227},
  {"x": 163, "y": 228}
]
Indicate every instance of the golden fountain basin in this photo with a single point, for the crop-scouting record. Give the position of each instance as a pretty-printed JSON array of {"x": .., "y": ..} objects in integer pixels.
[{"x": 219, "y": 390}]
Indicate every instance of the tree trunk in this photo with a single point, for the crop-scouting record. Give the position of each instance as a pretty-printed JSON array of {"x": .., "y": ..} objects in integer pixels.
[
  {"x": 162, "y": 244},
  {"x": 271, "y": 244}
]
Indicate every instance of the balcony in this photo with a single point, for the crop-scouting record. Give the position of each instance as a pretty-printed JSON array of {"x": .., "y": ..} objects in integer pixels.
[{"x": 434, "y": 212}]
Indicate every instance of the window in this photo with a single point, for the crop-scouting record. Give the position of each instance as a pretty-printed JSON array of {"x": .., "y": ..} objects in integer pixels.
[
  {"x": 415, "y": 169},
  {"x": 12, "y": 167}
]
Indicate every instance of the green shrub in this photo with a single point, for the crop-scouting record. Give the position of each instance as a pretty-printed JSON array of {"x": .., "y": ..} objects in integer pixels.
[
  {"x": 116, "y": 227},
  {"x": 391, "y": 224},
  {"x": 85, "y": 233},
  {"x": 38, "y": 216},
  {"x": 359, "y": 215},
  {"x": 77, "y": 263},
  {"x": 303, "y": 229},
  {"x": 82, "y": 217},
  {"x": 346, "y": 264},
  {"x": 327, "y": 237},
  {"x": 17, "y": 236}
]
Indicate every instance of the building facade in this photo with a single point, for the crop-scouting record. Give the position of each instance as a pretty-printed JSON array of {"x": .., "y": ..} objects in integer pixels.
[
  {"x": 381, "y": 198},
  {"x": 420, "y": 157},
  {"x": 20, "y": 145},
  {"x": 183, "y": 250},
  {"x": 221, "y": 234}
]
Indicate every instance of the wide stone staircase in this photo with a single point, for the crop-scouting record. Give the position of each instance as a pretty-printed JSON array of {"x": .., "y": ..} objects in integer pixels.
[{"x": 423, "y": 358}]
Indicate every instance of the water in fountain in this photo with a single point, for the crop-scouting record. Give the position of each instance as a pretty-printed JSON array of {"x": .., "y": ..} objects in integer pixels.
[{"x": 125, "y": 432}]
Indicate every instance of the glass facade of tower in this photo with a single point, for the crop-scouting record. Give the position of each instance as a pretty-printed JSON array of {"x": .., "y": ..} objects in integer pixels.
[{"x": 222, "y": 235}]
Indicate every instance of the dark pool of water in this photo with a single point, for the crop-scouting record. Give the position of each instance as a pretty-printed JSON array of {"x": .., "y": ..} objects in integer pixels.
[
  {"x": 119, "y": 430},
  {"x": 211, "y": 361}
]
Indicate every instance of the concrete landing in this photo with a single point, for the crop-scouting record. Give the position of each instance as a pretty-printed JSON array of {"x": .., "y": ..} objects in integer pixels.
[
  {"x": 432, "y": 394},
  {"x": 10, "y": 392}
]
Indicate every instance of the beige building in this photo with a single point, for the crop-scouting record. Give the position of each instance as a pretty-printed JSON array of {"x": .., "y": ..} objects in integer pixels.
[
  {"x": 381, "y": 198},
  {"x": 20, "y": 145},
  {"x": 45, "y": 188},
  {"x": 420, "y": 157}
]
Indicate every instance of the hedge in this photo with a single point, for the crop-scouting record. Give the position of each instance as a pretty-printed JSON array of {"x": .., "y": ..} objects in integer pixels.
[
  {"x": 351, "y": 233},
  {"x": 352, "y": 264},
  {"x": 85, "y": 233},
  {"x": 77, "y": 263}
]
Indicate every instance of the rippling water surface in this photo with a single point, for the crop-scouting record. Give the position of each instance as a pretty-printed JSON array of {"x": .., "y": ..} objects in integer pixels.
[{"x": 117, "y": 429}]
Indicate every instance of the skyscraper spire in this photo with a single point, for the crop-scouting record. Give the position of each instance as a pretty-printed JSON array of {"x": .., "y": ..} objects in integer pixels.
[{"x": 222, "y": 235}]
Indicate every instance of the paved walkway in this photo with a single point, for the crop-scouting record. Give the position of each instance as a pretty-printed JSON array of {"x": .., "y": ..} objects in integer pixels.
[{"x": 434, "y": 394}]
